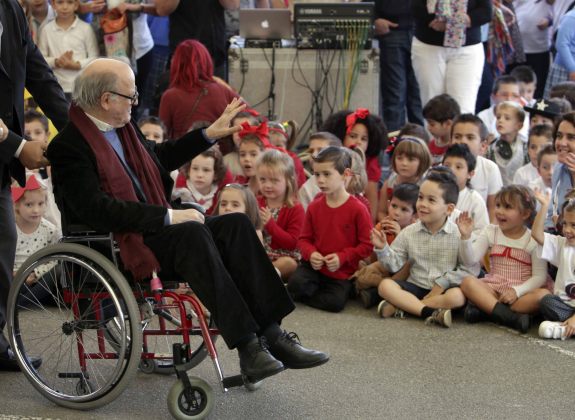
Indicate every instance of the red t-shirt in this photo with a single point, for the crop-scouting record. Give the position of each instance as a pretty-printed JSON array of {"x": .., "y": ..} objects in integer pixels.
[
  {"x": 437, "y": 152},
  {"x": 343, "y": 230}
]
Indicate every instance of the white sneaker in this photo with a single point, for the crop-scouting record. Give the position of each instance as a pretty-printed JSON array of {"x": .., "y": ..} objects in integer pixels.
[{"x": 550, "y": 329}]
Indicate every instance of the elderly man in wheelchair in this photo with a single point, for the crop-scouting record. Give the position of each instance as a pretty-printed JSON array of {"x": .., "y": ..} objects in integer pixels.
[{"x": 108, "y": 177}]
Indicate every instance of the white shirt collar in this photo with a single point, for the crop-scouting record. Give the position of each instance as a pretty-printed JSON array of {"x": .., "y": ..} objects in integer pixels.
[
  {"x": 102, "y": 126},
  {"x": 72, "y": 26}
]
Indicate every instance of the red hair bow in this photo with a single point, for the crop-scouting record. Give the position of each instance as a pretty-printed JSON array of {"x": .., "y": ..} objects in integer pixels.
[
  {"x": 252, "y": 112},
  {"x": 261, "y": 131},
  {"x": 358, "y": 114},
  {"x": 31, "y": 185}
]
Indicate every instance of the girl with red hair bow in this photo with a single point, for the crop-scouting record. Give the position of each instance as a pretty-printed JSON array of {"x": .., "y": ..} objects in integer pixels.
[
  {"x": 34, "y": 232},
  {"x": 366, "y": 131},
  {"x": 230, "y": 148}
]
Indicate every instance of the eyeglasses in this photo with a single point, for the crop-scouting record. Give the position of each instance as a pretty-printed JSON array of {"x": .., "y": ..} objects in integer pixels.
[{"x": 133, "y": 99}]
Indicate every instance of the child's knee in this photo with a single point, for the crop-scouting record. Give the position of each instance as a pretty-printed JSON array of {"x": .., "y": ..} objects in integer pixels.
[
  {"x": 456, "y": 297},
  {"x": 385, "y": 286},
  {"x": 467, "y": 283}
]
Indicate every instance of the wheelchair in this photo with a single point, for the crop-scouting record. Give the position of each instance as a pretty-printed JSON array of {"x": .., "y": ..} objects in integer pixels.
[{"x": 94, "y": 328}]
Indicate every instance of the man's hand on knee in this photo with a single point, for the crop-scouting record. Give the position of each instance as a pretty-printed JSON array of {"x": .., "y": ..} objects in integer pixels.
[{"x": 189, "y": 215}]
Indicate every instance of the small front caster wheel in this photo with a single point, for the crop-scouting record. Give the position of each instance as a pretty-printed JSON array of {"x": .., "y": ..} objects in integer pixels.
[{"x": 195, "y": 402}]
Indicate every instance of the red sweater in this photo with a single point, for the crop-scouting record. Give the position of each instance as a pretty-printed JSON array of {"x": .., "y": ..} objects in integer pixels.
[
  {"x": 343, "y": 230},
  {"x": 176, "y": 104},
  {"x": 286, "y": 229}
]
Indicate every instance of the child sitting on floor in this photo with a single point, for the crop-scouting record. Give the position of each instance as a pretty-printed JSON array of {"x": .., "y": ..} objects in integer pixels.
[
  {"x": 431, "y": 246},
  {"x": 400, "y": 214},
  {"x": 512, "y": 288},
  {"x": 335, "y": 236}
]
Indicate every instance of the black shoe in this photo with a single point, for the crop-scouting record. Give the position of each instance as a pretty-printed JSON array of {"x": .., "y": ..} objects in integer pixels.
[
  {"x": 369, "y": 297},
  {"x": 473, "y": 315},
  {"x": 256, "y": 362},
  {"x": 502, "y": 314},
  {"x": 293, "y": 355},
  {"x": 8, "y": 361}
]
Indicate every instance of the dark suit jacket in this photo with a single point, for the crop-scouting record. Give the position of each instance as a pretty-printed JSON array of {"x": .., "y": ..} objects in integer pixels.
[
  {"x": 22, "y": 65},
  {"x": 77, "y": 184}
]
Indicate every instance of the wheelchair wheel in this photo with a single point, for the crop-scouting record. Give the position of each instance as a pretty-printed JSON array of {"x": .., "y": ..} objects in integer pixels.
[
  {"x": 65, "y": 324},
  {"x": 194, "y": 403}
]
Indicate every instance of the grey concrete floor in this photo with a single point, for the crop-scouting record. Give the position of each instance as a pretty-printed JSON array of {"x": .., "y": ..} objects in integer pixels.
[{"x": 379, "y": 369}]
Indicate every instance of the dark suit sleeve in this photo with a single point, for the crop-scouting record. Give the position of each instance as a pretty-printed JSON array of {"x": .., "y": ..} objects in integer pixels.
[
  {"x": 76, "y": 181},
  {"x": 174, "y": 153},
  {"x": 42, "y": 84},
  {"x": 9, "y": 146}
]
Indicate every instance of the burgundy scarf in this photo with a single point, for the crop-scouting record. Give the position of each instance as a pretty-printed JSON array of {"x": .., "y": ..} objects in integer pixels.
[{"x": 115, "y": 181}]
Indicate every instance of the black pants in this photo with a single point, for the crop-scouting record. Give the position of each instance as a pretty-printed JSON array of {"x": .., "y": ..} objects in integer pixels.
[
  {"x": 7, "y": 251},
  {"x": 318, "y": 290},
  {"x": 225, "y": 264}
]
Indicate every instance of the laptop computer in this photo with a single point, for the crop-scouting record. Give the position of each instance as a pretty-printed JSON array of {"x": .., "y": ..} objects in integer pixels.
[{"x": 265, "y": 24}]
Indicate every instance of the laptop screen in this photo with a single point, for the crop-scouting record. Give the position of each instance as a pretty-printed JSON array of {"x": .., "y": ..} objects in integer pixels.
[{"x": 269, "y": 24}]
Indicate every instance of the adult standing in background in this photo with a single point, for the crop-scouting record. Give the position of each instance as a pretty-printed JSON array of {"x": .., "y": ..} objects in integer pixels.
[
  {"x": 535, "y": 18},
  {"x": 394, "y": 27},
  {"x": 193, "y": 94},
  {"x": 21, "y": 66},
  {"x": 446, "y": 52},
  {"x": 202, "y": 20}
]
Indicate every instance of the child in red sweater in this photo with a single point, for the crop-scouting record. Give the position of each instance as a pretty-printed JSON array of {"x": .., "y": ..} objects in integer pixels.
[
  {"x": 282, "y": 216},
  {"x": 335, "y": 236}
]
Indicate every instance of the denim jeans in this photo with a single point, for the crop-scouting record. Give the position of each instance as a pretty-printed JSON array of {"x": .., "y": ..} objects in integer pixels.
[{"x": 399, "y": 88}]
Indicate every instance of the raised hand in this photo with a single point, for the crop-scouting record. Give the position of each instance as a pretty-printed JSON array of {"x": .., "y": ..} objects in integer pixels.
[
  {"x": 465, "y": 225},
  {"x": 543, "y": 197},
  {"x": 378, "y": 238},
  {"x": 390, "y": 226},
  {"x": 221, "y": 127}
]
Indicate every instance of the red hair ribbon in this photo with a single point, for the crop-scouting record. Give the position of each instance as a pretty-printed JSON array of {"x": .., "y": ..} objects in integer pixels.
[
  {"x": 31, "y": 185},
  {"x": 255, "y": 114},
  {"x": 358, "y": 114},
  {"x": 261, "y": 131},
  {"x": 392, "y": 145}
]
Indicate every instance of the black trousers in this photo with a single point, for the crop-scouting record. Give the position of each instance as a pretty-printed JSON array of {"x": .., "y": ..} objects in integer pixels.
[
  {"x": 7, "y": 251},
  {"x": 317, "y": 290},
  {"x": 227, "y": 267}
]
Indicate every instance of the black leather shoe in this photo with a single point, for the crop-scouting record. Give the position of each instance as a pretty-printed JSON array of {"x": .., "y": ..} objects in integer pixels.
[
  {"x": 8, "y": 362},
  {"x": 256, "y": 362},
  {"x": 293, "y": 355}
]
